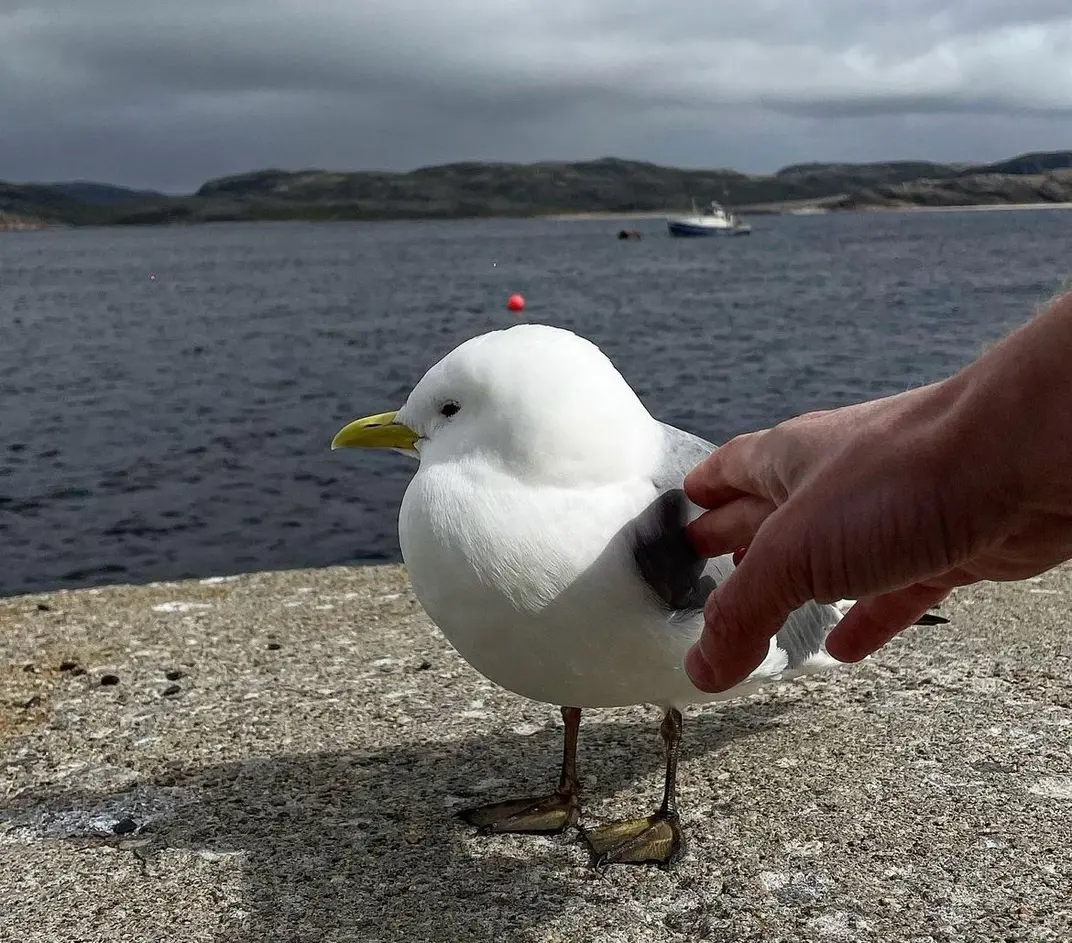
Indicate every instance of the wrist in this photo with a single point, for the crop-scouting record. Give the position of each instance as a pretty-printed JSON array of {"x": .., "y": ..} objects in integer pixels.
[{"x": 1011, "y": 412}]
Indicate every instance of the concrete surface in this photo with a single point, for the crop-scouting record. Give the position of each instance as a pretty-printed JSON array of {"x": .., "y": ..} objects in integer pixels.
[{"x": 281, "y": 755}]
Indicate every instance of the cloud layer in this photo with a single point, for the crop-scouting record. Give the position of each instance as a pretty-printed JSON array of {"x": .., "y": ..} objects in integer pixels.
[{"x": 164, "y": 94}]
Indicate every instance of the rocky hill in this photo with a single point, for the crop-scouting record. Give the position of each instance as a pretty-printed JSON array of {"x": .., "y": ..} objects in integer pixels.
[
  {"x": 44, "y": 204},
  {"x": 460, "y": 190},
  {"x": 1037, "y": 162},
  {"x": 854, "y": 176},
  {"x": 605, "y": 185},
  {"x": 103, "y": 194},
  {"x": 976, "y": 189}
]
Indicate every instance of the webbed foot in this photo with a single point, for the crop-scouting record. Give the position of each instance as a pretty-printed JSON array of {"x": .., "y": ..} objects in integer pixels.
[
  {"x": 656, "y": 839},
  {"x": 538, "y": 815}
]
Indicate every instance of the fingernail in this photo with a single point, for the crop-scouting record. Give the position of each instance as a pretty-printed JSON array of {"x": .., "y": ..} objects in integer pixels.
[
  {"x": 738, "y": 555},
  {"x": 699, "y": 671}
]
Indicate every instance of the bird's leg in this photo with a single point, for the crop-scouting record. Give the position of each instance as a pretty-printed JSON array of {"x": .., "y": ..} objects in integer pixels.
[
  {"x": 546, "y": 815},
  {"x": 655, "y": 839}
]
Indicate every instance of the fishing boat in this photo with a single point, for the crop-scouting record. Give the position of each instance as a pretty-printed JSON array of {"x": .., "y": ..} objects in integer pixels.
[{"x": 716, "y": 220}]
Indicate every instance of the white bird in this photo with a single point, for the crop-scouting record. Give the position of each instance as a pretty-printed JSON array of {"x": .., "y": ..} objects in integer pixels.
[{"x": 544, "y": 534}]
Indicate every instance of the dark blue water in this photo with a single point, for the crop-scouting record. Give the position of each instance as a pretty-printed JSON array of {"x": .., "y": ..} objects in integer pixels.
[{"x": 179, "y": 426}]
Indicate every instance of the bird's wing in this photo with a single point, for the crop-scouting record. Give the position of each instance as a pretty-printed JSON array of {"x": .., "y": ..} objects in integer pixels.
[{"x": 680, "y": 578}]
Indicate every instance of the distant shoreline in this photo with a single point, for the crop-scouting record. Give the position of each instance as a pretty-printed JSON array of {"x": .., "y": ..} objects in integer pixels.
[
  {"x": 10, "y": 223},
  {"x": 769, "y": 211},
  {"x": 555, "y": 190},
  {"x": 23, "y": 224},
  {"x": 972, "y": 207},
  {"x": 597, "y": 215}
]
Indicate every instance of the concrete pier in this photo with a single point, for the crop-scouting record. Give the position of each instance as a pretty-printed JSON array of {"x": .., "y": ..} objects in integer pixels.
[{"x": 277, "y": 757}]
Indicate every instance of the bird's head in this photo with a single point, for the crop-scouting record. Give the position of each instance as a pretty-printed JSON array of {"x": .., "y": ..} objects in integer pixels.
[{"x": 540, "y": 402}]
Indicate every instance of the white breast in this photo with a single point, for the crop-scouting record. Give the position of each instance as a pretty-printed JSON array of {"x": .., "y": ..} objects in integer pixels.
[{"x": 536, "y": 589}]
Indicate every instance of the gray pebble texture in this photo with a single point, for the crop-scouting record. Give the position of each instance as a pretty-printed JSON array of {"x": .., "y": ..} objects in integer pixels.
[{"x": 279, "y": 757}]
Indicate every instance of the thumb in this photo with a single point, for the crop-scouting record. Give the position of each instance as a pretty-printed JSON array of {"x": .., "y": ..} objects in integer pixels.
[{"x": 750, "y": 606}]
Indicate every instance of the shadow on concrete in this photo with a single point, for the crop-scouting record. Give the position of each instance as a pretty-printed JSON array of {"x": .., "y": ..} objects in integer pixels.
[{"x": 365, "y": 845}]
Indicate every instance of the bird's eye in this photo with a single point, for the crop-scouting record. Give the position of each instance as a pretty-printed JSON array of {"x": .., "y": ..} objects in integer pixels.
[{"x": 449, "y": 409}]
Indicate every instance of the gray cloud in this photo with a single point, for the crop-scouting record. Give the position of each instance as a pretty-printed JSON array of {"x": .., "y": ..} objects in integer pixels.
[{"x": 159, "y": 93}]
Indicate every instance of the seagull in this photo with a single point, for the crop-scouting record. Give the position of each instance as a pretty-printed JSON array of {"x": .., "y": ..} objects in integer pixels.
[{"x": 544, "y": 534}]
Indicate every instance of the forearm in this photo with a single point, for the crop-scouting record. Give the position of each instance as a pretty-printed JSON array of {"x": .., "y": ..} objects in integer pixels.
[{"x": 1014, "y": 409}]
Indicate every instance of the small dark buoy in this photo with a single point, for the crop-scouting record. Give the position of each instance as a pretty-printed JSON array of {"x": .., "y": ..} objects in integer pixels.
[
  {"x": 171, "y": 690},
  {"x": 174, "y": 674},
  {"x": 108, "y": 680},
  {"x": 628, "y": 234}
]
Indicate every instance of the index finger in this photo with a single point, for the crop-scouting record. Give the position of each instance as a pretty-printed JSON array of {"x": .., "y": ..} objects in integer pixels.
[{"x": 725, "y": 475}]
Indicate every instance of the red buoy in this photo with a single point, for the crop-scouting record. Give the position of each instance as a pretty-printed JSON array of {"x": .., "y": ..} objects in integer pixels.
[{"x": 515, "y": 303}]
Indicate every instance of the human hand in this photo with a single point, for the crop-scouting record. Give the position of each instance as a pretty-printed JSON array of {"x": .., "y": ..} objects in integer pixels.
[{"x": 893, "y": 503}]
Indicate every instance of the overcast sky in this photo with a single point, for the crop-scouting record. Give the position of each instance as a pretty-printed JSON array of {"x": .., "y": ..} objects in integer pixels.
[{"x": 168, "y": 93}]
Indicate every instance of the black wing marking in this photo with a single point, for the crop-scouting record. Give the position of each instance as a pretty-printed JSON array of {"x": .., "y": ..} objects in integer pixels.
[{"x": 679, "y": 577}]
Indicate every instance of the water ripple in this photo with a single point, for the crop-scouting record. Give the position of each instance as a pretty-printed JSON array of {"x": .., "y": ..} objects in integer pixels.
[{"x": 179, "y": 426}]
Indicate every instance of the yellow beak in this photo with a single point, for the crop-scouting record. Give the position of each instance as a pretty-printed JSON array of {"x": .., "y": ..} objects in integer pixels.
[{"x": 375, "y": 432}]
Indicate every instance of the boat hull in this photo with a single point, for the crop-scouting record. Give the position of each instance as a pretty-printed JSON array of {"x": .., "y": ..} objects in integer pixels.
[{"x": 689, "y": 230}]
